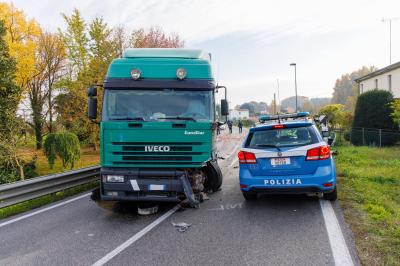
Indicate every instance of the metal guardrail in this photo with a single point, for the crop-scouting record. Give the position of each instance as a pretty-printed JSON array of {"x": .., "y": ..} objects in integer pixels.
[{"x": 20, "y": 191}]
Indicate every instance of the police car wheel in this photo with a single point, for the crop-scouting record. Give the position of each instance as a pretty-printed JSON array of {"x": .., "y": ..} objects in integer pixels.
[
  {"x": 332, "y": 196},
  {"x": 249, "y": 196}
]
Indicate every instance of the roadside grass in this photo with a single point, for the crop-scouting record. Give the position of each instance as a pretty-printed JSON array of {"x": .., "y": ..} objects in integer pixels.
[
  {"x": 89, "y": 157},
  {"x": 369, "y": 193},
  {"x": 38, "y": 202}
]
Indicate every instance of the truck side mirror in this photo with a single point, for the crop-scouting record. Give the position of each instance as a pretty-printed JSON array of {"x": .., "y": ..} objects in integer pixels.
[
  {"x": 92, "y": 108},
  {"x": 224, "y": 107},
  {"x": 92, "y": 91}
]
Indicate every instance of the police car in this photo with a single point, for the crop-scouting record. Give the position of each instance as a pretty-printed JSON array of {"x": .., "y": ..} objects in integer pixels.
[{"x": 286, "y": 154}]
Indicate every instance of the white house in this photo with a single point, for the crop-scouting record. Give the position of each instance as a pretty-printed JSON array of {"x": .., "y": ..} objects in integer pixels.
[
  {"x": 387, "y": 78},
  {"x": 238, "y": 114}
]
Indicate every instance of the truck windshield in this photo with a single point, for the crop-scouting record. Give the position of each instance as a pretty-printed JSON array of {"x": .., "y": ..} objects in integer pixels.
[{"x": 157, "y": 105}]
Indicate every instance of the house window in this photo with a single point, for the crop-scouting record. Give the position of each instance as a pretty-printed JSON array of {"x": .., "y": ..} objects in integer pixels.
[
  {"x": 390, "y": 83},
  {"x": 376, "y": 83}
]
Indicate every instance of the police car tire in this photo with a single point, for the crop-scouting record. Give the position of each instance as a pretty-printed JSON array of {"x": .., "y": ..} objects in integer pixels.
[
  {"x": 332, "y": 196},
  {"x": 214, "y": 177},
  {"x": 249, "y": 196}
]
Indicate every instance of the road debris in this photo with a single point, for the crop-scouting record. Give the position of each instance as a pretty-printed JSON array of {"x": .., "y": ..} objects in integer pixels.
[{"x": 181, "y": 227}]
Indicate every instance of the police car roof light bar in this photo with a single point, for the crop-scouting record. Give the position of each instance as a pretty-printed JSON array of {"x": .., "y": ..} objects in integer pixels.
[{"x": 265, "y": 118}]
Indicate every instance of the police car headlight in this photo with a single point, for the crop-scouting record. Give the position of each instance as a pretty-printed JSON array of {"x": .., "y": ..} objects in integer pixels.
[{"x": 115, "y": 178}]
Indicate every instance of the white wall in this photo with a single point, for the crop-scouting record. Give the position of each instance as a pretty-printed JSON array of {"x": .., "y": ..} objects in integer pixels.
[
  {"x": 369, "y": 84},
  {"x": 238, "y": 114}
]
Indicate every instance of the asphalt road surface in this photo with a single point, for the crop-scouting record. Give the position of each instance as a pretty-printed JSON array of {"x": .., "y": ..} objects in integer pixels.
[{"x": 225, "y": 230}]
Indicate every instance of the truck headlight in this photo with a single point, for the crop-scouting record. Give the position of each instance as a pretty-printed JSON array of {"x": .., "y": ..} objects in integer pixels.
[{"x": 115, "y": 178}]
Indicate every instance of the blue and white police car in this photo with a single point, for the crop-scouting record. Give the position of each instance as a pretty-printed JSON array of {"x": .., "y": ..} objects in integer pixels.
[{"x": 286, "y": 154}]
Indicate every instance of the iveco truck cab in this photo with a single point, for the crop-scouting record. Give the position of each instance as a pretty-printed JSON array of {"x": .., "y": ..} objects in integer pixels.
[{"x": 158, "y": 126}]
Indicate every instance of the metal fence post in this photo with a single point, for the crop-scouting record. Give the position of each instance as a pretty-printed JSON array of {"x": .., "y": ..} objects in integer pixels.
[
  {"x": 380, "y": 137},
  {"x": 363, "y": 139}
]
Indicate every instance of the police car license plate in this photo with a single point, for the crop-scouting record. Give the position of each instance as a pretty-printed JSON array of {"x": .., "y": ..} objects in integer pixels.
[{"x": 280, "y": 161}]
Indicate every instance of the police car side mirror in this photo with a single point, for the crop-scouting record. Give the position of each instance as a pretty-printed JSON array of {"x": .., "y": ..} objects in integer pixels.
[{"x": 224, "y": 107}]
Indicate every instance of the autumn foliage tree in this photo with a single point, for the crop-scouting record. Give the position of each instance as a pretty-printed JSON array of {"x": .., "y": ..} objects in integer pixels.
[
  {"x": 11, "y": 167},
  {"x": 90, "y": 49}
]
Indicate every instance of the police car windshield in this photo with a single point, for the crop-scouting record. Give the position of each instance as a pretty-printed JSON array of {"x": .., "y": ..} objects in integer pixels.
[
  {"x": 158, "y": 105},
  {"x": 285, "y": 137}
]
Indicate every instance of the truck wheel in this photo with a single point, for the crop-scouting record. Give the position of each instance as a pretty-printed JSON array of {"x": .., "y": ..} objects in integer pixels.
[
  {"x": 332, "y": 196},
  {"x": 214, "y": 177},
  {"x": 249, "y": 195}
]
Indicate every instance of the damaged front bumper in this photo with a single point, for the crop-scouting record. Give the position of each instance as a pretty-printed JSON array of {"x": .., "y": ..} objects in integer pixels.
[{"x": 157, "y": 185}]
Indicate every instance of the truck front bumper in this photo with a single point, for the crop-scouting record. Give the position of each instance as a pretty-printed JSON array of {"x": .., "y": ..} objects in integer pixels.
[{"x": 161, "y": 185}]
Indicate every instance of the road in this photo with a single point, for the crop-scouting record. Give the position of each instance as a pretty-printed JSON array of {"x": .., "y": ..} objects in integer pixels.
[{"x": 225, "y": 230}]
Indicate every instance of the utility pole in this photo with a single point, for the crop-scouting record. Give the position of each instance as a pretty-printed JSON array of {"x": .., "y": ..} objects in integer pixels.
[
  {"x": 390, "y": 35},
  {"x": 274, "y": 103},
  {"x": 295, "y": 82},
  {"x": 279, "y": 98}
]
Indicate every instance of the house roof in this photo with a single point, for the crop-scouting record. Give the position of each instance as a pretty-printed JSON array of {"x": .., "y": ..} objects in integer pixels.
[{"x": 379, "y": 72}]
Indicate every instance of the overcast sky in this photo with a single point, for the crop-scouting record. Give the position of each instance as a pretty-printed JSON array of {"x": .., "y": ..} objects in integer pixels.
[{"x": 253, "y": 42}]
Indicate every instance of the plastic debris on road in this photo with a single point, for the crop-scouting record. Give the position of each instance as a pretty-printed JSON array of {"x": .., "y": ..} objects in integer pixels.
[{"x": 181, "y": 227}]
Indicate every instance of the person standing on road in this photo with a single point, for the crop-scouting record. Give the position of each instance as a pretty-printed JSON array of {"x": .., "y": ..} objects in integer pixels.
[
  {"x": 230, "y": 126},
  {"x": 240, "y": 125}
]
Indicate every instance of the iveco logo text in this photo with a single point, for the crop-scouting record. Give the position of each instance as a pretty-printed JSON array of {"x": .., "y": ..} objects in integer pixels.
[
  {"x": 194, "y": 132},
  {"x": 157, "y": 148}
]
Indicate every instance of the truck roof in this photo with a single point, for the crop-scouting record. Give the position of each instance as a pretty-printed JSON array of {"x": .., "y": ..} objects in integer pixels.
[
  {"x": 161, "y": 63},
  {"x": 162, "y": 53}
]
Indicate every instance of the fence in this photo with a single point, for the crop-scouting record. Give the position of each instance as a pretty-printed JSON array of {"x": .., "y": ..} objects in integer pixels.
[{"x": 368, "y": 136}]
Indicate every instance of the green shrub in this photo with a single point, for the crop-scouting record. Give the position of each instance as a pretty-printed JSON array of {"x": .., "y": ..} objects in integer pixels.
[
  {"x": 373, "y": 112},
  {"x": 63, "y": 145}
]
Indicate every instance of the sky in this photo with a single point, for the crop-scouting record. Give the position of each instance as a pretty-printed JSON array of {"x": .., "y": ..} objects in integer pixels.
[{"x": 253, "y": 42}]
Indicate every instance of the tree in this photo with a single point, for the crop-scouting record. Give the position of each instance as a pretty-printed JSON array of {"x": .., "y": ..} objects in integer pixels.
[
  {"x": 21, "y": 39},
  {"x": 95, "y": 44},
  {"x": 346, "y": 86},
  {"x": 10, "y": 164},
  {"x": 155, "y": 37},
  {"x": 337, "y": 116},
  {"x": 373, "y": 112},
  {"x": 64, "y": 145},
  {"x": 396, "y": 111},
  {"x": 52, "y": 52}
]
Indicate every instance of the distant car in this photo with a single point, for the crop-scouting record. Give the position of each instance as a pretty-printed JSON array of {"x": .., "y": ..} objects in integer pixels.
[{"x": 286, "y": 157}]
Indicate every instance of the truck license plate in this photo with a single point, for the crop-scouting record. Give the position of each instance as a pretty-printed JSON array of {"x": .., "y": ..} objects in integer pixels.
[
  {"x": 156, "y": 187},
  {"x": 280, "y": 161}
]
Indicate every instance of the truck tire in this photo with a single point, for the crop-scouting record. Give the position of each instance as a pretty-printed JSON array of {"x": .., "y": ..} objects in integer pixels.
[
  {"x": 332, "y": 196},
  {"x": 214, "y": 177}
]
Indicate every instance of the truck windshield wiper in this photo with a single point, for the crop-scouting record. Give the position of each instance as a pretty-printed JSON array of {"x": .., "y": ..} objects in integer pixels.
[
  {"x": 269, "y": 146},
  {"x": 177, "y": 118},
  {"x": 129, "y": 118}
]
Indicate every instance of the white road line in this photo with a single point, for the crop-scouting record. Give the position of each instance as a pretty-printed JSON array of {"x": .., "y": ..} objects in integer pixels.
[
  {"x": 234, "y": 161},
  {"x": 233, "y": 152},
  {"x": 135, "y": 238},
  {"x": 340, "y": 251},
  {"x": 43, "y": 210}
]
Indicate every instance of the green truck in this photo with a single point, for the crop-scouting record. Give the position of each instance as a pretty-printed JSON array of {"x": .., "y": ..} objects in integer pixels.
[{"x": 158, "y": 126}]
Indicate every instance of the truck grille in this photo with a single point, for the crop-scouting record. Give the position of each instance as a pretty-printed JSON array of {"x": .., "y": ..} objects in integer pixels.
[{"x": 178, "y": 153}]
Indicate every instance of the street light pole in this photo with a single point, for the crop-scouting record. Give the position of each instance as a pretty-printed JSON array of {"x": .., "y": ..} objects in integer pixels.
[
  {"x": 390, "y": 35},
  {"x": 295, "y": 82}
]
